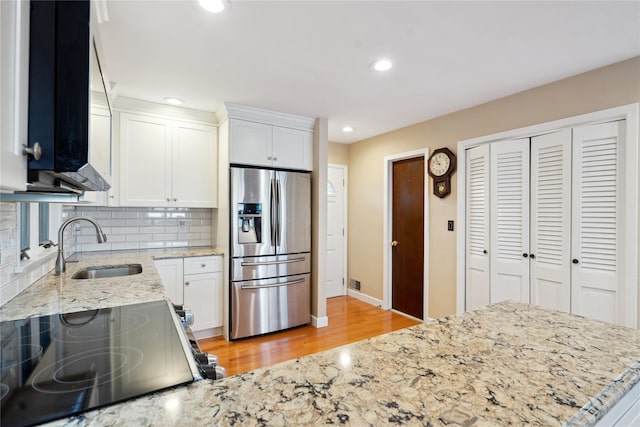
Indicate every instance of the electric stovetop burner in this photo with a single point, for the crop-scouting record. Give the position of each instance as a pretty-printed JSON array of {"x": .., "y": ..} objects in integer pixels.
[{"x": 60, "y": 365}]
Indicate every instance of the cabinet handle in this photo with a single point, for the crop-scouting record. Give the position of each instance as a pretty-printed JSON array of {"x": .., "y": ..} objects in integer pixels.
[
  {"x": 186, "y": 283},
  {"x": 269, "y": 158},
  {"x": 175, "y": 199},
  {"x": 275, "y": 159},
  {"x": 34, "y": 152},
  {"x": 203, "y": 265},
  {"x": 168, "y": 199},
  {"x": 532, "y": 256}
]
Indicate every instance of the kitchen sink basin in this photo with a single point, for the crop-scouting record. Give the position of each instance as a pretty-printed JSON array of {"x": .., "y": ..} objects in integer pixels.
[{"x": 102, "y": 271}]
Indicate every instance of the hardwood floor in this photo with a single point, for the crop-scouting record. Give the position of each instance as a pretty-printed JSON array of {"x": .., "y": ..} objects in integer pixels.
[{"x": 350, "y": 320}]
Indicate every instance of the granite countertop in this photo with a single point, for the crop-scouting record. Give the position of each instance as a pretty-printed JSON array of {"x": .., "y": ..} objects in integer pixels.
[
  {"x": 62, "y": 294},
  {"x": 509, "y": 363}
]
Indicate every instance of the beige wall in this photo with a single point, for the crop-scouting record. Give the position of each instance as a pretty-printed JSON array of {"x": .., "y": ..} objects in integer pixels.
[
  {"x": 607, "y": 87},
  {"x": 338, "y": 153}
]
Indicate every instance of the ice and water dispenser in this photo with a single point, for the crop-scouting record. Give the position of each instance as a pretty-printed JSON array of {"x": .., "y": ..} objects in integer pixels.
[{"x": 249, "y": 222}]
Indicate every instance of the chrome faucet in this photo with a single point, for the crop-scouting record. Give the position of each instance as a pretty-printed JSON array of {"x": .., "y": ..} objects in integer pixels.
[{"x": 61, "y": 265}]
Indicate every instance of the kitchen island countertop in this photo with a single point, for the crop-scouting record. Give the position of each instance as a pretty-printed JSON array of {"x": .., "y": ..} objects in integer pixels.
[{"x": 508, "y": 363}]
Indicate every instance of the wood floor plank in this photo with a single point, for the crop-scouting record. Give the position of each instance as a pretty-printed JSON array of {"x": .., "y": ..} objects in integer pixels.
[{"x": 350, "y": 320}]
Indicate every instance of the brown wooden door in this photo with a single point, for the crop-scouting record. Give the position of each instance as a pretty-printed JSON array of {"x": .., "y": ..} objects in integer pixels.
[{"x": 407, "y": 260}]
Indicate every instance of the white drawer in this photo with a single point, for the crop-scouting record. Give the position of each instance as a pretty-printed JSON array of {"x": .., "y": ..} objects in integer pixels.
[{"x": 203, "y": 264}]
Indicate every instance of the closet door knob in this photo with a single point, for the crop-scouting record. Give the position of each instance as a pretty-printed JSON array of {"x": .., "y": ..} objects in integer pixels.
[
  {"x": 484, "y": 251},
  {"x": 525, "y": 255},
  {"x": 575, "y": 261},
  {"x": 532, "y": 256}
]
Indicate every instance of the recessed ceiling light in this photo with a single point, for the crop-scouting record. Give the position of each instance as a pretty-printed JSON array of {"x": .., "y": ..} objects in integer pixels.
[
  {"x": 213, "y": 6},
  {"x": 173, "y": 101},
  {"x": 347, "y": 129},
  {"x": 382, "y": 65}
]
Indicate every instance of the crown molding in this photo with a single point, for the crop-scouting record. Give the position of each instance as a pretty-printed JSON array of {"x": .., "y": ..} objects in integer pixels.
[
  {"x": 138, "y": 106},
  {"x": 236, "y": 111}
]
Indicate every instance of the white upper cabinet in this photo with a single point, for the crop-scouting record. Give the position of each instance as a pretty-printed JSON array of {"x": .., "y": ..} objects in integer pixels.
[
  {"x": 292, "y": 148},
  {"x": 251, "y": 143},
  {"x": 267, "y": 138},
  {"x": 167, "y": 162},
  {"x": 259, "y": 144},
  {"x": 14, "y": 76}
]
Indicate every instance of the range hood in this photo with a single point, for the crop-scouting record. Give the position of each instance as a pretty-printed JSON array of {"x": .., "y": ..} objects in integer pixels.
[{"x": 61, "y": 54}]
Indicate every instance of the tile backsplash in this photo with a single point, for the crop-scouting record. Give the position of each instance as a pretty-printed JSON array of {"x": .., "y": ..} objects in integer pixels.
[{"x": 144, "y": 228}]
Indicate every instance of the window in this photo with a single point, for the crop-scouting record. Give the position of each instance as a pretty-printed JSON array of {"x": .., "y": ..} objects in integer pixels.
[{"x": 35, "y": 224}]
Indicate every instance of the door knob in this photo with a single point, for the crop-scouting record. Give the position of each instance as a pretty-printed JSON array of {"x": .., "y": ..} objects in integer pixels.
[
  {"x": 532, "y": 256},
  {"x": 394, "y": 243},
  {"x": 34, "y": 152},
  {"x": 575, "y": 261}
]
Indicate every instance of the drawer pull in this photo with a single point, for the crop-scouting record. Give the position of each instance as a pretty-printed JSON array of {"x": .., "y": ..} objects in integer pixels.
[
  {"x": 203, "y": 265},
  {"x": 257, "y": 264},
  {"x": 275, "y": 285}
]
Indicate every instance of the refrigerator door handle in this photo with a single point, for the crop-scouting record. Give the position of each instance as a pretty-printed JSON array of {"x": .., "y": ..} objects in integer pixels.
[
  {"x": 278, "y": 215},
  {"x": 287, "y": 261},
  {"x": 275, "y": 285},
  {"x": 272, "y": 211}
]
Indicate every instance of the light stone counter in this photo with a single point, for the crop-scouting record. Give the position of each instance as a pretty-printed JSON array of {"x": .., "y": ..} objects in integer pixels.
[
  {"x": 506, "y": 364},
  {"x": 61, "y": 294}
]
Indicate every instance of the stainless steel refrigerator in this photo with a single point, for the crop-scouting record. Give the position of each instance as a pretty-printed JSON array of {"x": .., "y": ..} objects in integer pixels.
[{"x": 270, "y": 280}]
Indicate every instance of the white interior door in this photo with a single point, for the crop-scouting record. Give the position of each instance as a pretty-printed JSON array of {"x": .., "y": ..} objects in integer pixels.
[
  {"x": 510, "y": 221},
  {"x": 335, "y": 231},
  {"x": 597, "y": 222},
  {"x": 551, "y": 220},
  {"x": 478, "y": 223}
]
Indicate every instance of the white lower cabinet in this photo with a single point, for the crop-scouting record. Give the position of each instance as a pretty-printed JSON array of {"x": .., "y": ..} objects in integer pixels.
[{"x": 195, "y": 282}]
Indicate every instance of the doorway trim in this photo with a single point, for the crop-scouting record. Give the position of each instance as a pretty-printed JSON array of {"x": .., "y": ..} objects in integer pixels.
[
  {"x": 345, "y": 171},
  {"x": 629, "y": 112},
  {"x": 387, "y": 227}
]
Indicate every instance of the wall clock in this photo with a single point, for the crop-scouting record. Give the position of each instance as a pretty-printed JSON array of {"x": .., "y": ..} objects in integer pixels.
[{"x": 442, "y": 164}]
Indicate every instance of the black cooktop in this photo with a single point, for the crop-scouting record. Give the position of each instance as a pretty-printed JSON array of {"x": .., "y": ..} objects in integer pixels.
[{"x": 64, "y": 364}]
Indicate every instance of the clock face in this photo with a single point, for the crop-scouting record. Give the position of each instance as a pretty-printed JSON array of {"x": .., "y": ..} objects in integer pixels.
[{"x": 439, "y": 164}]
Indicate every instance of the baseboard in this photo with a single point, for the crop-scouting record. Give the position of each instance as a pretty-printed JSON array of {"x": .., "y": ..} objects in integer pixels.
[
  {"x": 319, "y": 322},
  {"x": 365, "y": 298}
]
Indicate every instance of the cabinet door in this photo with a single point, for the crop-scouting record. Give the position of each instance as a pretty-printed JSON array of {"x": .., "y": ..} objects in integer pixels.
[
  {"x": 203, "y": 294},
  {"x": 100, "y": 137},
  {"x": 14, "y": 79},
  {"x": 194, "y": 166},
  {"x": 170, "y": 271},
  {"x": 292, "y": 148},
  {"x": 510, "y": 221},
  {"x": 145, "y": 173},
  {"x": 551, "y": 220},
  {"x": 478, "y": 227},
  {"x": 250, "y": 143}
]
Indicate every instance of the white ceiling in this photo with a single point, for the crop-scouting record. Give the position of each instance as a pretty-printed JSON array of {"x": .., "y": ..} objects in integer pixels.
[{"x": 312, "y": 58}]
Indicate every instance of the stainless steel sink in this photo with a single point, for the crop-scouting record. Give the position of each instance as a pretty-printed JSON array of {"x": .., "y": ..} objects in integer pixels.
[{"x": 102, "y": 271}]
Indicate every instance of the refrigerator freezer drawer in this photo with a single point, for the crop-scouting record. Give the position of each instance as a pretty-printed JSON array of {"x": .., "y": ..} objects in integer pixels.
[
  {"x": 262, "y": 306},
  {"x": 255, "y": 268}
]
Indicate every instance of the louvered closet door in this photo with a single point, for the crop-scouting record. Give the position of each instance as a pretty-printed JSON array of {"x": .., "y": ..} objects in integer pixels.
[
  {"x": 597, "y": 226},
  {"x": 477, "y": 244},
  {"x": 551, "y": 220},
  {"x": 510, "y": 221}
]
